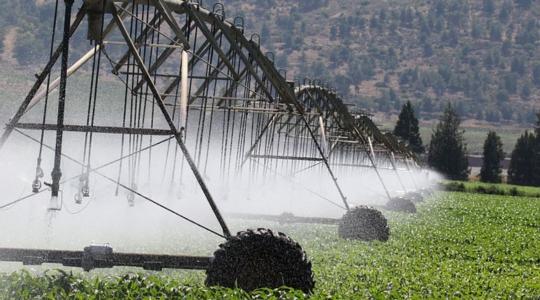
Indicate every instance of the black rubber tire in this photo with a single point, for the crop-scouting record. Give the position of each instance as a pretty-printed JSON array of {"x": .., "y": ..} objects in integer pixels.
[
  {"x": 260, "y": 258},
  {"x": 365, "y": 224},
  {"x": 401, "y": 204},
  {"x": 415, "y": 197}
]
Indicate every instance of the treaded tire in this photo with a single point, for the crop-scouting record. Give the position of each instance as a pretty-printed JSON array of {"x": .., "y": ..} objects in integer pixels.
[
  {"x": 365, "y": 224},
  {"x": 401, "y": 205},
  {"x": 260, "y": 259}
]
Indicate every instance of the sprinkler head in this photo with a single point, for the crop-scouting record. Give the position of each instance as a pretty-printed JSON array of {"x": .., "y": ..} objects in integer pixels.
[
  {"x": 85, "y": 191},
  {"x": 36, "y": 186},
  {"x": 78, "y": 198},
  {"x": 131, "y": 199}
]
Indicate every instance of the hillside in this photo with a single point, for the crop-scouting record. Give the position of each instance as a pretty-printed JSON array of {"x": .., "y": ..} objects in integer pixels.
[{"x": 479, "y": 54}]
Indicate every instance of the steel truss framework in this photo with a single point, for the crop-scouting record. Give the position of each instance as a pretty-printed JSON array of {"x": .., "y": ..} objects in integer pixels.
[{"x": 192, "y": 75}]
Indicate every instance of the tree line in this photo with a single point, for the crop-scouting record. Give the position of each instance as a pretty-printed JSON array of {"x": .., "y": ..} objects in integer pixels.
[
  {"x": 447, "y": 150},
  {"x": 479, "y": 54}
]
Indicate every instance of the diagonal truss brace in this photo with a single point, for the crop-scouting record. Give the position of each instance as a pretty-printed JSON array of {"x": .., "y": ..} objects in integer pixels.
[
  {"x": 167, "y": 14},
  {"x": 323, "y": 158},
  {"x": 168, "y": 119},
  {"x": 326, "y": 163},
  {"x": 40, "y": 79}
]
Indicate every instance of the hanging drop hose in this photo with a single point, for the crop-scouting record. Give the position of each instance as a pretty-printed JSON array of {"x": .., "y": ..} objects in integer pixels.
[
  {"x": 83, "y": 180},
  {"x": 128, "y": 92},
  {"x": 177, "y": 90},
  {"x": 110, "y": 179},
  {"x": 77, "y": 176},
  {"x": 36, "y": 184},
  {"x": 124, "y": 115},
  {"x": 56, "y": 172},
  {"x": 86, "y": 188},
  {"x": 147, "y": 91},
  {"x": 143, "y": 99}
]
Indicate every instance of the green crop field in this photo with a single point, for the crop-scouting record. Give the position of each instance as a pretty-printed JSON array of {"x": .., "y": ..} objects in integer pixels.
[
  {"x": 489, "y": 188},
  {"x": 457, "y": 245}
]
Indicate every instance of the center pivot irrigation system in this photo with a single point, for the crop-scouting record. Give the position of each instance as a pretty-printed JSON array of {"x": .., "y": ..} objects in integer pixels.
[{"x": 193, "y": 79}]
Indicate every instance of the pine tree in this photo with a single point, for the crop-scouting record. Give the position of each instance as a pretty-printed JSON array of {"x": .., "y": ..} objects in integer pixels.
[
  {"x": 407, "y": 128},
  {"x": 489, "y": 6},
  {"x": 521, "y": 168},
  {"x": 536, "y": 159},
  {"x": 493, "y": 154},
  {"x": 447, "y": 150}
]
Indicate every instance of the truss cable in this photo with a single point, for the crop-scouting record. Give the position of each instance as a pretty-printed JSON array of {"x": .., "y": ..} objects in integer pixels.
[
  {"x": 133, "y": 191},
  {"x": 36, "y": 184},
  {"x": 77, "y": 176},
  {"x": 296, "y": 184},
  {"x": 24, "y": 198}
]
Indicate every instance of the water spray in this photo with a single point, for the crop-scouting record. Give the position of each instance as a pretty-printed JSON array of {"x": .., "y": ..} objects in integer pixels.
[{"x": 257, "y": 120}]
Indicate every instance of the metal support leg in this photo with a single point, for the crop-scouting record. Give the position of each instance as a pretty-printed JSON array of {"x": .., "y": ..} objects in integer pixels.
[
  {"x": 325, "y": 160},
  {"x": 265, "y": 129},
  {"x": 411, "y": 173},
  {"x": 177, "y": 135},
  {"x": 57, "y": 173},
  {"x": 371, "y": 157},
  {"x": 394, "y": 166}
]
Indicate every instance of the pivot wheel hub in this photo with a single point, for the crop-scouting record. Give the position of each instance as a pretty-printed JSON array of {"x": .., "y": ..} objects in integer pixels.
[
  {"x": 364, "y": 223},
  {"x": 260, "y": 259}
]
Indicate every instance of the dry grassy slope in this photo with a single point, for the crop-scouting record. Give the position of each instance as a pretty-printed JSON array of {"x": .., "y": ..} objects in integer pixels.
[
  {"x": 9, "y": 44},
  {"x": 303, "y": 43},
  {"x": 317, "y": 44}
]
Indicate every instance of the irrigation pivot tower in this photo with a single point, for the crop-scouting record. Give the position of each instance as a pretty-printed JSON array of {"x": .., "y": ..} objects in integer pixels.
[{"x": 194, "y": 78}]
